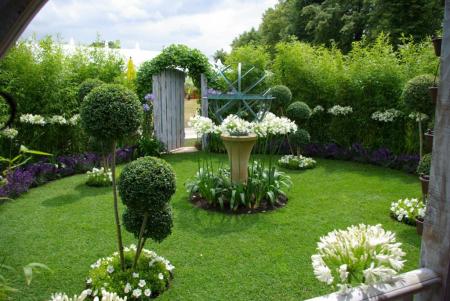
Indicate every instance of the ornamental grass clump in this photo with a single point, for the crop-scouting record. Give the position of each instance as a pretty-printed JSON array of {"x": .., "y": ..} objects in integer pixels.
[
  {"x": 407, "y": 210},
  {"x": 110, "y": 113},
  {"x": 360, "y": 254}
]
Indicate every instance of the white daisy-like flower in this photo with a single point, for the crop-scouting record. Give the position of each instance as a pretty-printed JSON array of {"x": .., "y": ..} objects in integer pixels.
[
  {"x": 135, "y": 275},
  {"x": 89, "y": 281},
  {"x": 127, "y": 288},
  {"x": 110, "y": 269},
  {"x": 142, "y": 283},
  {"x": 137, "y": 293},
  {"x": 160, "y": 276},
  {"x": 147, "y": 292}
]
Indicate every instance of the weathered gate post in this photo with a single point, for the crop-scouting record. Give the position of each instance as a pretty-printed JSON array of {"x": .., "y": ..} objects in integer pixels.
[
  {"x": 435, "y": 253},
  {"x": 168, "y": 108}
]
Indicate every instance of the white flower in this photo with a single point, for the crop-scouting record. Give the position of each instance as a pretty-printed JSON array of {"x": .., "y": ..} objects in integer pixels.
[
  {"x": 9, "y": 133},
  {"x": 235, "y": 126},
  {"x": 299, "y": 162},
  {"x": 351, "y": 250},
  {"x": 110, "y": 269},
  {"x": 56, "y": 119},
  {"x": 408, "y": 209},
  {"x": 160, "y": 276},
  {"x": 418, "y": 116},
  {"x": 74, "y": 120},
  {"x": 135, "y": 275},
  {"x": 201, "y": 125},
  {"x": 147, "y": 292},
  {"x": 89, "y": 281},
  {"x": 273, "y": 125},
  {"x": 142, "y": 283},
  {"x": 386, "y": 116},
  {"x": 317, "y": 109},
  {"x": 137, "y": 292},
  {"x": 127, "y": 288},
  {"x": 32, "y": 119},
  {"x": 340, "y": 110}
]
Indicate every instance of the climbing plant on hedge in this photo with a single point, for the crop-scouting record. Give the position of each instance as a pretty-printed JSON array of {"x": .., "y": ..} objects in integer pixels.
[
  {"x": 146, "y": 186},
  {"x": 109, "y": 113},
  {"x": 175, "y": 56}
]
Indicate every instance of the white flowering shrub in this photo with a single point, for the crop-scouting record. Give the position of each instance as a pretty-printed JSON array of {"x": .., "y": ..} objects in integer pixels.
[
  {"x": 360, "y": 254},
  {"x": 151, "y": 277},
  {"x": 9, "y": 133},
  {"x": 297, "y": 162},
  {"x": 87, "y": 294},
  {"x": 201, "y": 125},
  {"x": 338, "y": 110},
  {"x": 53, "y": 120},
  {"x": 406, "y": 210},
  {"x": 99, "y": 177},
  {"x": 386, "y": 116}
]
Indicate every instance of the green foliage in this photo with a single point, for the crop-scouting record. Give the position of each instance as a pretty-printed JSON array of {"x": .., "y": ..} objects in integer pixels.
[
  {"x": 99, "y": 177},
  {"x": 299, "y": 112},
  {"x": 424, "y": 166},
  {"x": 283, "y": 97},
  {"x": 264, "y": 185},
  {"x": 158, "y": 227},
  {"x": 250, "y": 56},
  {"x": 111, "y": 112},
  {"x": 87, "y": 86},
  {"x": 416, "y": 96},
  {"x": 251, "y": 37},
  {"x": 174, "y": 56},
  {"x": 107, "y": 273},
  {"x": 300, "y": 138},
  {"x": 147, "y": 184},
  {"x": 150, "y": 146}
]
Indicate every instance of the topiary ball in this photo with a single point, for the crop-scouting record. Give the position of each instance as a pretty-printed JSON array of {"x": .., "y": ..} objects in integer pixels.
[
  {"x": 85, "y": 87},
  {"x": 283, "y": 97},
  {"x": 147, "y": 184},
  {"x": 299, "y": 112},
  {"x": 415, "y": 95},
  {"x": 159, "y": 223},
  {"x": 299, "y": 138},
  {"x": 110, "y": 112}
]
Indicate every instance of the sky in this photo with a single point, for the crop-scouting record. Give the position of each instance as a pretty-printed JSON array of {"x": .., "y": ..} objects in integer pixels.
[{"x": 151, "y": 24}]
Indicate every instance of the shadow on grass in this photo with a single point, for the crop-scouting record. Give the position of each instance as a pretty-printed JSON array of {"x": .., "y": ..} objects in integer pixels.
[
  {"x": 214, "y": 224},
  {"x": 81, "y": 191}
]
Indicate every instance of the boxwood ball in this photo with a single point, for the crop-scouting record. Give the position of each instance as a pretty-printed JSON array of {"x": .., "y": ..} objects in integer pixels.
[
  {"x": 147, "y": 184},
  {"x": 283, "y": 96},
  {"x": 110, "y": 112},
  {"x": 416, "y": 96},
  {"x": 87, "y": 86},
  {"x": 300, "y": 138},
  {"x": 299, "y": 112},
  {"x": 159, "y": 223}
]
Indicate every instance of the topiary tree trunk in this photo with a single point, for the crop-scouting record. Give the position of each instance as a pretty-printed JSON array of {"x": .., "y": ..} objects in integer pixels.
[{"x": 116, "y": 206}]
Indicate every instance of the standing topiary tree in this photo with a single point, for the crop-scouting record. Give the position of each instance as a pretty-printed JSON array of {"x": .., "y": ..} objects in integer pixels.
[
  {"x": 146, "y": 186},
  {"x": 283, "y": 97},
  {"x": 417, "y": 101},
  {"x": 299, "y": 112},
  {"x": 108, "y": 113},
  {"x": 85, "y": 87}
]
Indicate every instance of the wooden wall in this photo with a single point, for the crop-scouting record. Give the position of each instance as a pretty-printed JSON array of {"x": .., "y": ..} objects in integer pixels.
[{"x": 168, "y": 110}]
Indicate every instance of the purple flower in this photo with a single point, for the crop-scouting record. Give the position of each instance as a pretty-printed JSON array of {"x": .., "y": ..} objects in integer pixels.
[
  {"x": 18, "y": 182},
  {"x": 149, "y": 97},
  {"x": 213, "y": 92},
  {"x": 146, "y": 107}
]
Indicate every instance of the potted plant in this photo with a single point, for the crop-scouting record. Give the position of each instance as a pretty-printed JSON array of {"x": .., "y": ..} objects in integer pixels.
[
  {"x": 437, "y": 42},
  {"x": 239, "y": 141},
  {"x": 423, "y": 169}
]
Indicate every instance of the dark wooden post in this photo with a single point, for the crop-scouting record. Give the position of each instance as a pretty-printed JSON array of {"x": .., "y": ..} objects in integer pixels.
[{"x": 435, "y": 253}]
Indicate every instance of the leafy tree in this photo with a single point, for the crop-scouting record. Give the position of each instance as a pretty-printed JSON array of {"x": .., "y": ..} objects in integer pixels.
[
  {"x": 252, "y": 36},
  {"x": 131, "y": 70},
  {"x": 220, "y": 55}
]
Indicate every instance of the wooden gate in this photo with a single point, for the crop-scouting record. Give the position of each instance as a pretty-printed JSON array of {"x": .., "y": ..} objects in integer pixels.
[{"x": 168, "y": 109}]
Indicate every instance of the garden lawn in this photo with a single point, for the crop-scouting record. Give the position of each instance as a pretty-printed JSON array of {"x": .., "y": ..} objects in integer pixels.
[{"x": 265, "y": 256}]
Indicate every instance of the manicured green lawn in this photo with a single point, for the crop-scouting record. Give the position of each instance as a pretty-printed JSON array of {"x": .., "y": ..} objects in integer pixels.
[{"x": 68, "y": 225}]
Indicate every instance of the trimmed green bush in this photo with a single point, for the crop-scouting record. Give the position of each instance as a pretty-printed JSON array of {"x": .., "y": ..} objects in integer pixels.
[
  {"x": 299, "y": 112},
  {"x": 415, "y": 95},
  {"x": 424, "y": 165},
  {"x": 111, "y": 112},
  {"x": 87, "y": 86},
  {"x": 283, "y": 97},
  {"x": 147, "y": 184},
  {"x": 158, "y": 227},
  {"x": 149, "y": 146},
  {"x": 300, "y": 138}
]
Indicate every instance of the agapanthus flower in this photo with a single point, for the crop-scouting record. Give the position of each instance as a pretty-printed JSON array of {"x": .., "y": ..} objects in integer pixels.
[
  {"x": 32, "y": 119},
  {"x": 387, "y": 116},
  {"x": 202, "y": 125},
  {"x": 57, "y": 119},
  {"x": 369, "y": 252},
  {"x": 340, "y": 110},
  {"x": 407, "y": 210},
  {"x": 418, "y": 116},
  {"x": 146, "y": 107},
  {"x": 149, "y": 97},
  {"x": 9, "y": 133}
]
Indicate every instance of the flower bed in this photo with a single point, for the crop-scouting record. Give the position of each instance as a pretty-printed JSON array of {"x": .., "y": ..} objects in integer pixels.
[
  {"x": 21, "y": 179},
  {"x": 407, "y": 210},
  {"x": 99, "y": 177},
  {"x": 297, "y": 162}
]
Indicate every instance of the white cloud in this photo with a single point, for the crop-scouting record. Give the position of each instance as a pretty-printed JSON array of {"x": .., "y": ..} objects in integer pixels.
[{"x": 203, "y": 24}]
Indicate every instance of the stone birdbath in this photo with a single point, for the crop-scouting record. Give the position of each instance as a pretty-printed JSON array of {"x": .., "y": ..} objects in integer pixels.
[{"x": 239, "y": 149}]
